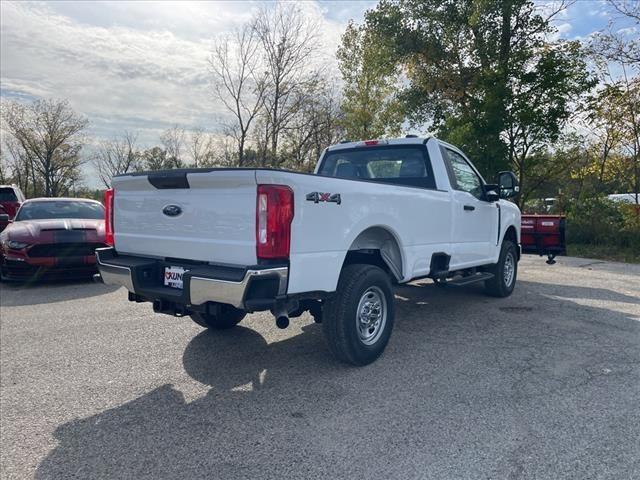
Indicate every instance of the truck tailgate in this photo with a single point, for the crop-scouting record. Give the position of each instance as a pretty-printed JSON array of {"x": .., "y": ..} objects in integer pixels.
[{"x": 215, "y": 220}]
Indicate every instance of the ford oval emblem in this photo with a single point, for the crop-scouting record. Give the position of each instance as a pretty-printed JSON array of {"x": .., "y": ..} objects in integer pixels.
[{"x": 172, "y": 210}]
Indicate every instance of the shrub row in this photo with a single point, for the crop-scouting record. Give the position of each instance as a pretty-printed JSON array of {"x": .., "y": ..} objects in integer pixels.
[{"x": 600, "y": 221}]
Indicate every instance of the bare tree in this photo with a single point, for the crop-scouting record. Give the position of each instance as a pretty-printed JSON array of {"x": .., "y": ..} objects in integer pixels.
[
  {"x": 4, "y": 166},
  {"x": 238, "y": 82},
  {"x": 117, "y": 156},
  {"x": 47, "y": 135},
  {"x": 628, "y": 8},
  {"x": 315, "y": 126},
  {"x": 288, "y": 40},
  {"x": 200, "y": 147},
  {"x": 223, "y": 153},
  {"x": 613, "y": 44},
  {"x": 173, "y": 140},
  {"x": 19, "y": 166}
]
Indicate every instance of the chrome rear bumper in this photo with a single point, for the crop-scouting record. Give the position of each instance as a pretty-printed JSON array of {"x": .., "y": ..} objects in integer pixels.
[
  {"x": 114, "y": 274},
  {"x": 202, "y": 284},
  {"x": 203, "y": 290}
]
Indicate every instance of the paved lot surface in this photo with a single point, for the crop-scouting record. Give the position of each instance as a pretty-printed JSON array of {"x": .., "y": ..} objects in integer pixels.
[{"x": 544, "y": 384}]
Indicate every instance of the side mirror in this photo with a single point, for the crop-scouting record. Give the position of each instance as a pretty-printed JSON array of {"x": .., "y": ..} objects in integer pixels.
[
  {"x": 491, "y": 192},
  {"x": 4, "y": 218},
  {"x": 508, "y": 183}
]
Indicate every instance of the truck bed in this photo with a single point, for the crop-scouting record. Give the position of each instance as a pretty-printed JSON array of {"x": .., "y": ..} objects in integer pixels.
[{"x": 217, "y": 222}]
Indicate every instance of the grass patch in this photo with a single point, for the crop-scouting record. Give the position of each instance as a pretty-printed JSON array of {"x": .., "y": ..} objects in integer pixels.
[{"x": 604, "y": 252}]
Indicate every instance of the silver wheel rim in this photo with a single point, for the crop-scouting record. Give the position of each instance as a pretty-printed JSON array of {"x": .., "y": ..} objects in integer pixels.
[
  {"x": 509, "y": 269},
  {"x": 371, "y": 316}
]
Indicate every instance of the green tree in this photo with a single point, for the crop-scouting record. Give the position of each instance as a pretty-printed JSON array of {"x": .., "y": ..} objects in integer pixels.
[
  {"x": 612, "y": 51},
  {"x": 156, "y": 158},
  {"x": 370, "y": 108},
  {"x": 539, "y": 103},
  {"x": 474, "y": 67},
  {"x": 614, "y": 149}
]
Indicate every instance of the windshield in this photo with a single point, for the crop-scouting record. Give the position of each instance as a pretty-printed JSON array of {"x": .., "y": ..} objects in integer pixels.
[
  {"x": 405, "y": 165},
  {"x": 8, "y": 195},
  {"x": 60, "y": 209}
]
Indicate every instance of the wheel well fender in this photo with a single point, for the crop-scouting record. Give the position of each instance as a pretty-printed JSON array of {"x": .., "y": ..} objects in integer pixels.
[
  {"x": 511, "y": 234},
  {"x": 378, "y": 246}
]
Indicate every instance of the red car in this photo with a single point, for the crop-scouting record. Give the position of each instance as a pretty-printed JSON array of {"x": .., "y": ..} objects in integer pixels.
[{"x": 52, "y": 238}]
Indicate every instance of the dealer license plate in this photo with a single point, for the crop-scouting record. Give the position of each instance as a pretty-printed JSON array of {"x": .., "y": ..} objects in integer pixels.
[{"x": 173, "y": 277}]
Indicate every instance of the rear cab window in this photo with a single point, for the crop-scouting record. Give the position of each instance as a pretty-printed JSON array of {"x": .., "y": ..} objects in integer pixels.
[{"x": 407, "y": 165}]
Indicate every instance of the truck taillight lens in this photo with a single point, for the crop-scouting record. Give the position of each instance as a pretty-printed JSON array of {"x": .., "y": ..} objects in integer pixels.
[
  {"x": 274, "y": 214},
  {"x": 108, "y": 217}
]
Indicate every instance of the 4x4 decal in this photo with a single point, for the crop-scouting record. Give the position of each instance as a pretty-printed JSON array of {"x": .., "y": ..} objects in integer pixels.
[{"x": 317, "y": 197}]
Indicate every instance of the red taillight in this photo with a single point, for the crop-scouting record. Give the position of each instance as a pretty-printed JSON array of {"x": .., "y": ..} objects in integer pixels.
[
  {"x": 274, "y": 213},
  {"x": 108, "y": 217}
]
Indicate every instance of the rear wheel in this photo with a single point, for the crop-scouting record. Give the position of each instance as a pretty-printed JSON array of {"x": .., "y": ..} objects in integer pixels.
[
  {"x": 227, "y": 317},
  {"x": 358, "y": 320},
  {"x": 505, "y": 271}
]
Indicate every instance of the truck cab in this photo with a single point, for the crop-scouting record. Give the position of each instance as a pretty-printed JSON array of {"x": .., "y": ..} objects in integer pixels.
[{"x": 470, "y": 220}]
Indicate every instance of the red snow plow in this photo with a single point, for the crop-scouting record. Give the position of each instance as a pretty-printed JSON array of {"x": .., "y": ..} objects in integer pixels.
[{"x": 544, "y": 235}]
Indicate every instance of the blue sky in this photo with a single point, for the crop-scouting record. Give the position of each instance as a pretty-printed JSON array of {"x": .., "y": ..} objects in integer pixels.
[
  {"x": 142, "y": 66},
  {"x": 588, "y": 16}
]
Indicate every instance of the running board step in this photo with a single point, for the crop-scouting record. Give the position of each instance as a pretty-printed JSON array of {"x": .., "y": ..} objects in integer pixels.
[{"x": 469, "y": 279}]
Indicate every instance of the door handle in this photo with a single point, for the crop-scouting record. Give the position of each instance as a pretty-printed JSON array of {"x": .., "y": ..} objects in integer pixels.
[{"x": 469, "y": 207}]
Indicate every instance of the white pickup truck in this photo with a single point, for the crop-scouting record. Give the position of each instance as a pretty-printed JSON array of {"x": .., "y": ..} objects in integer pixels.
[{"x": 215, "y": 244}]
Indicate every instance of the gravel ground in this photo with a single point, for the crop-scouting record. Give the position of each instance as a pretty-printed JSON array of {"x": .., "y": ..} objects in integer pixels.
[{"x": 544, "y": 384}]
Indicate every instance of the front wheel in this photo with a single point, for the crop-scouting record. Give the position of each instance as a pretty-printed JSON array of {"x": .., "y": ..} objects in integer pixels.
[
  {"x": 505, "y": 271},
  {"x": 227, "y": 317},
  {"x": 358, "y": 320}
]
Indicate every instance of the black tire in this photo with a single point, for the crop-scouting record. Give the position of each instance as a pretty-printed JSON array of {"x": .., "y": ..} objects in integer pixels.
[
  {"x": 349, "y": 338},
  {"x": 502, "y": 284},
  {"x": 228, "y": 317}
]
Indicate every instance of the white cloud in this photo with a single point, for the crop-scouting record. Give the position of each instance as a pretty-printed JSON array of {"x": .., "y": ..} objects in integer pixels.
[
  {"x": 628, "y": 31},
  {"x": 136, "y": 65},
  {"x": 140, "y": 66},
  {"x": 562, "y": 31},
  {"x": 107, "y": 73}
]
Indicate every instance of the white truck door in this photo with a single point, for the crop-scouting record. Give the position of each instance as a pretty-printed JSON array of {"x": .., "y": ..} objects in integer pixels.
[{"x": 475, "y": 221}]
